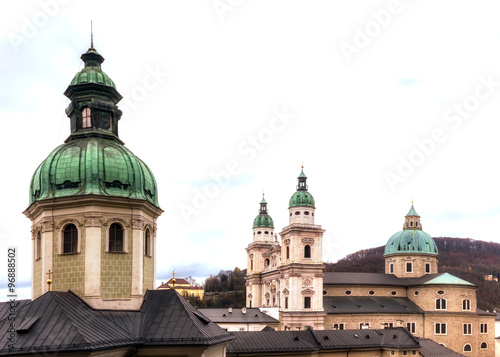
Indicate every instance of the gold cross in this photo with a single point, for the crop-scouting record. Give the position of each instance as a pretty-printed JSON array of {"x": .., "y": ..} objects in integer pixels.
[{"x": 49, "y": 281}]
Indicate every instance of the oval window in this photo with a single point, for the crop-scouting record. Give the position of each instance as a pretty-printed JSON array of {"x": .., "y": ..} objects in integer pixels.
[
  {"x": 324, "y": 292},
  {"x": 259, "y": 232},
  {"x": 440, "y": 292},
  {"x": 306, "y": 213},
  {"x": 371, "y": 292},
  {"x": 266, "y": 232},
  {"x": 348, "y": 292},
  {"x": 393, "y": 293},
  {"x": 297, "y": 213}
]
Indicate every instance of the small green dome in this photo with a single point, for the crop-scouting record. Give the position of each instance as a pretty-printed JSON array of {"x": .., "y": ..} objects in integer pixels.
[
  {"x": 301, "y": 198},
  {"x": 264, "y": 221},
  {"x": 93, "y": 75},
  {"x": 92, "y": 164},
  {"x": 411, "y": 241}
]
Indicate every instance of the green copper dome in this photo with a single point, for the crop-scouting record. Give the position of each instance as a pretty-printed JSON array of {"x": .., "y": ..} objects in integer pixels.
[
  {"x": 411, "y": 239},
  {"x": 92, "y": 73},
  {"x": 93, "y": 165},
  {"x": 263, "y": 219},
  {"x": 302, "y": 197}
]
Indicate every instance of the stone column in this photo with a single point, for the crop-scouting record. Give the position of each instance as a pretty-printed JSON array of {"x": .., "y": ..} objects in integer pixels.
[
  {"x": 47, "y": 252},
  {"x": 137, "y": 257},
  {"x": 93, "y": 238}
]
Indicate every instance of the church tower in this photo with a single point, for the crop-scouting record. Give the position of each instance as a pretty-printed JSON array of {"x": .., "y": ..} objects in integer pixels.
[
  {"x": 263, "y": 256},
  {"x": 94, "y": 204},
  {"x": 411, "y": 253},
  {"x": 302, "y": 269}
]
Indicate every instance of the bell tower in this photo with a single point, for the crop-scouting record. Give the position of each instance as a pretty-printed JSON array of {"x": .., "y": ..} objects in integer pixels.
[
  {"x": 302, "y": 268},
  {"x": 94, "y": 204}
]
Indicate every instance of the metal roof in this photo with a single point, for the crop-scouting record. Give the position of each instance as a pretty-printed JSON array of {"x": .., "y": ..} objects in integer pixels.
[
  {"x": 63, "y": 322},
  {"x": 369, "y": 305},
  {"x": 311, "y": 340},
  {"x": 252, "y": 315},
  {"x": 434, "y": 349}
]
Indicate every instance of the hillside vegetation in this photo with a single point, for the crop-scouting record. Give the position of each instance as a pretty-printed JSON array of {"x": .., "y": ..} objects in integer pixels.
[{"x": 468, "y": 259}]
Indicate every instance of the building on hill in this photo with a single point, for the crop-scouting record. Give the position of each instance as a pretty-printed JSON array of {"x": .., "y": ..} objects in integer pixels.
[
  {"x": 184, "y": 287},
  {"x": 411, "y": 293}
]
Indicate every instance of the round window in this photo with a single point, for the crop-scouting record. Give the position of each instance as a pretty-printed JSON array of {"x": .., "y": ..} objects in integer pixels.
[
  {"x": 324, "y": 292},
  {"x": 416, "y": 292},
  {"x": 348, "y": 292},
  {"x": 393, "y": 293},
  {"x": 371, "y": 292}
]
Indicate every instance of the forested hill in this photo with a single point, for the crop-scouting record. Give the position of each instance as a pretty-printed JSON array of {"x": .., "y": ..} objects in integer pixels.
[{"x": 468, "y": 259}]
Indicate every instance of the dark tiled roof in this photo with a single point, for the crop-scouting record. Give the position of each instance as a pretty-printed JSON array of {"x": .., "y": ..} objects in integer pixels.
[
  {"x": 252, "y": 315},
  {"x": 62, "y": 322},
  {"x": 369, "y": 304},
  {"x": 433, "y": 349},
  {"x": 284, "y": 341}
]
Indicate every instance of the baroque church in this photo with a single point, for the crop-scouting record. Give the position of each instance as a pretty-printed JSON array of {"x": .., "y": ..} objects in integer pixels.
[
  {"x": 93, "y": 208},
  {"x": 290, "y": 276}
]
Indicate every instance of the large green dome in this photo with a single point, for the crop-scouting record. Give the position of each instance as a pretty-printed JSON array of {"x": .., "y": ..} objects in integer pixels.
[
  {"x": 411, "y": 241},
  {"x": 92, "y": 164}
]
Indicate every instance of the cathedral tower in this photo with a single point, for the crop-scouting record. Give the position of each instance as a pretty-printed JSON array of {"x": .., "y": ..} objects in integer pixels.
[
  {"x": 302, "y": 269},
  {"x": 411, "y": 253},
  {"x": 94, "y": 204}
]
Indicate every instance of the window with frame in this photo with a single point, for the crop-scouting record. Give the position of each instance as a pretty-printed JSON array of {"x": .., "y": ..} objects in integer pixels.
[
  {"x": 86, "y": 118},
  {"x": 405, "y": 353},
  {"x": 413, "y": 353},
  {"x": 388, "y": 324},
  {"x": 466, "y": 305},
  {"x": 307, "y": 251},
  {"x": 116, "y": 238},
  {"x": 307, "y": 302},
  {"x": 440, "y": 329},
  {"x": 286, "y": 302},
  {"x": 411, "y": 327},
  {"x": 391, "y": 268},
  {"x": 70, "y": 239},
  {"x": 393, "y": 353},
  {"x": 467, "y": 348},
  {"x": 250, "y": 303},
  {"x": 364, "y": 325},
  {"x": 287, "y": 252},
  {"x": 38, "y": 245},
  {"x": 251, "y": 264},
  {"x": 484, "y": 345},
  {"x": 409, "y": 267},
  {"x": 440, "y": 304},
  {"x": 467, "y": 329},
  {"x": 147, "y": 243},
  {"x": 483, "y": 328},
  {"x": 338, "y": 326},
  {"x": 427, "y": 268}
]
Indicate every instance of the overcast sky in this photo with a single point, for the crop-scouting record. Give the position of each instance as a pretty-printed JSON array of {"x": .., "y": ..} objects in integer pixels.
[{"x": 383, "y": 101}]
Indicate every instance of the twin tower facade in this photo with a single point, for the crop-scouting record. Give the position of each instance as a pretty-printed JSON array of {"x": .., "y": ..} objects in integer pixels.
[{"x": 288, "y": 276}]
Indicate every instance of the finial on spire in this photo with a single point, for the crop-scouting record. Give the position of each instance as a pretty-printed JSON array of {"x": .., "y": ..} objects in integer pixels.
[
  {"x": 302, "y": 166},
  {"x": 49, "y": 280},
  {"x": 173, "y": 279},
  {"x": 91, "y": 35}
]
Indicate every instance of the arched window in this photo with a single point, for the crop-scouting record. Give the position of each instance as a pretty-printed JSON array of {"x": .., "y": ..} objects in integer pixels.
[
  {"x": 266, "y": 264},
  {"x": 287, "y": 252},
  {"x": 38, "y": 245},
  {"x": 86, "y": 122},
  {"x": 307, "y": 251},
  {"x": 147, "y": 243},
  {"x": 467, "y": 348},
  {"x": 440, "y": 304},
  {"x": 116, "y": 238},
  {"x": 484, "y": 345},
  {"x": 70, "y": 243}
]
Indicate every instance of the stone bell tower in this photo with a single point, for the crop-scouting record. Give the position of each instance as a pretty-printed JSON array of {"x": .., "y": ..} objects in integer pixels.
[
  {"x": 94, "y": 204},
  {"x": 302, "y": 269}
]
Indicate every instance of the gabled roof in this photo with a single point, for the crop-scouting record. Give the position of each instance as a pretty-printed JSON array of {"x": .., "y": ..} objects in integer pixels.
[
  {"x": 270, "y": 342},
  {"x": 369, "y": 305},
  {"x": 334, "y": 278},
  {"x": 252, "y": 315},
  {"x": 63, "y": 322},
  {"x": 434, "y": 349}
]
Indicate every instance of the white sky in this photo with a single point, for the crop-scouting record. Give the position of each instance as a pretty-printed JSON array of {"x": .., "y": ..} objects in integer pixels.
[{"x": 360, "y": 88}]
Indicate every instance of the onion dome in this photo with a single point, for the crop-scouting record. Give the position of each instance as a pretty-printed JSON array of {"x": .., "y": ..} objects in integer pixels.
[
  {"x": 93, "y": 160},
  {"x": 302, "y": 198},
  {"x": 411, "y": 239},
  {"x": 263, "y": 219}
]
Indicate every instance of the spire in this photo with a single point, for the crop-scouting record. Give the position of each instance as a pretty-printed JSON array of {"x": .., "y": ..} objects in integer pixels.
[
  {"x": 91, "y": 36},
  {"x": 263, "y": 205},
  {"x": 412, "y": 219},
  {"x": 302, "y": 185}
]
